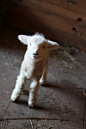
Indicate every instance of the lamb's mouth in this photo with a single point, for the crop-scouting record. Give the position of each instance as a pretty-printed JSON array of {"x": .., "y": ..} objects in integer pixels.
[{"x": 36, "y": 56}]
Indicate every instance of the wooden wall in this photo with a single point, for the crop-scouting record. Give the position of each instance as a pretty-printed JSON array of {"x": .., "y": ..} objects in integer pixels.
[{"x": 60, "y": 20}]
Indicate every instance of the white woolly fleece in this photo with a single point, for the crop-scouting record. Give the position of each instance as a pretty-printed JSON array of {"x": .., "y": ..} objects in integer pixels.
[{"x": 34, "y": 65}]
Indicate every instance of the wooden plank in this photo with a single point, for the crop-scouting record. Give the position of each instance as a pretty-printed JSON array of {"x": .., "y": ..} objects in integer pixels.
[
  {"x": 78, "y": 6},
  {"x": 65, "y": 18},
  {"x": 49, "y": 18}
]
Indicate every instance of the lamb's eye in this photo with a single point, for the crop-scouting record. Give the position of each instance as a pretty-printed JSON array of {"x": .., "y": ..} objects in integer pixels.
[{"x": 43, "y": 46}]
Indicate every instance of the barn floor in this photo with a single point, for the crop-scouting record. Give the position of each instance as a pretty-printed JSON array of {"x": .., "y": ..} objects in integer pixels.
[{"x": 61, "y": 103}]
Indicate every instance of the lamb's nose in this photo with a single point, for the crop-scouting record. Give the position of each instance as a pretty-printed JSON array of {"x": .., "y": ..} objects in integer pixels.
[{"x": 35, "y": 54}]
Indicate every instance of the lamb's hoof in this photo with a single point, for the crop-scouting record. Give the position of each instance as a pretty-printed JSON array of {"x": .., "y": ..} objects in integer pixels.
[
  {"x": 15, "y": 97},
  {"x": 42, "y": 83},
  {"x": 31, "y": 104}
]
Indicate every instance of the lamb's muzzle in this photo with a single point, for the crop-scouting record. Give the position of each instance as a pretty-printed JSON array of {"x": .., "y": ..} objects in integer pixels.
[
  {"x": 35, "y": 55},
  {"x": 34, "y": 65}
]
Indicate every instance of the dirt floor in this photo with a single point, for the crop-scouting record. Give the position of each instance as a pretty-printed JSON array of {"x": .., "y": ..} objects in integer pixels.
[{"x": 61, "y": 102}]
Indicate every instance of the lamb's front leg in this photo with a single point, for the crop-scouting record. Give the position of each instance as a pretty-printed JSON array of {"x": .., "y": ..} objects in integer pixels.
[
  {"x": 43, "y": 78},
  {"x": 34, "y": 86},
  {"x": 20, "y": 83}
]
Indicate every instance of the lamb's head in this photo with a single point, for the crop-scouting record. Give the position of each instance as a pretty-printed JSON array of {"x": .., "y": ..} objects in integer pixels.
[{"x": 37, "y": 45}]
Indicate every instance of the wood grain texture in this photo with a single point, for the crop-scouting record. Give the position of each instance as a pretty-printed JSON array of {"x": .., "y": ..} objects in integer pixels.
[{"x": 60, "y": 20}]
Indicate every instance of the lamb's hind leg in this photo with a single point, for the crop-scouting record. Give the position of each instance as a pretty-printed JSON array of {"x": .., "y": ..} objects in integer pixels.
[
  {"x": 20, "y": 84},
  {"x": 43, "y": 78},
  {"x": 34, "y": 86}
]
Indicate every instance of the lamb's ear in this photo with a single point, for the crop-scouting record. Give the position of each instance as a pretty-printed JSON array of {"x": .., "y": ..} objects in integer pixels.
[
  {"x": 52, "y": 45},
  {"x": 24, "y": 39}
]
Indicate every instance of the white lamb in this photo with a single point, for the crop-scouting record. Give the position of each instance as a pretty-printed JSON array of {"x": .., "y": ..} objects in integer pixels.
[{"x": 34, "y": 65}]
